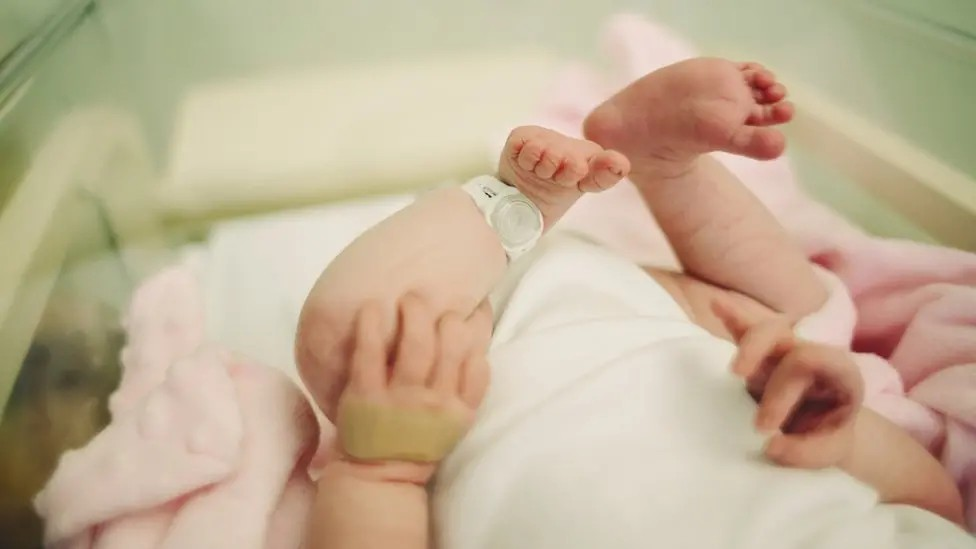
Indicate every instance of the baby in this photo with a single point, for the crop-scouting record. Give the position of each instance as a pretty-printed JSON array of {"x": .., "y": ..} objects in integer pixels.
[{"x": 373, "y": 327}]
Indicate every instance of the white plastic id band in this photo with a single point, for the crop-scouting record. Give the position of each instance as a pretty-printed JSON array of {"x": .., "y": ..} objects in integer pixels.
[{"x": 514, "y": 218}]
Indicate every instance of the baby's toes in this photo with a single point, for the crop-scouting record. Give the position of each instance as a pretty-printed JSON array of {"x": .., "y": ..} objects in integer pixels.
[
  {"x": 549, "y": 164},
  {"x": 758, "y": 76},
  {"x": 529, "y": 154},
  {"x": 768, "y": 115},
  {"x": 416, "y": 348},
  {"x": 772, "y": 94},
  {"x": 783, "y": 112},
  {"x": 572, "y": 170},
  {"x": 606, "y": 169}
]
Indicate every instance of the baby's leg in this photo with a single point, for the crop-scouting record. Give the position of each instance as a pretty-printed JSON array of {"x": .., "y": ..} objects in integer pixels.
[
  {"x": 441, "y": 248},
  {"x": 666, "y": 123}
]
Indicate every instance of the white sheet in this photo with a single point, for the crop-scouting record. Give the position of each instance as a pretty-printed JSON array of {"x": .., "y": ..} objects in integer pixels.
[
  {"x": 612, "y": 421},
  {"x": 258, "y": 271}
]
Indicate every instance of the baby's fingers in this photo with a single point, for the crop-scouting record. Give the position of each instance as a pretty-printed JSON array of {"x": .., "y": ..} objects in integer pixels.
[
  {"x": 759, "y": 338},
  {"x": 368, "y": 368},
  {"x": 784, "y": 392},
  {"x": 480, "y": 324},
  {"x": 474, "y": 384},
  {"x": 416, "y": 347},
  {"x": 463, "y": 343},
  {"x": 477, "y": 371},
  {"x": 767, "y": 341},
  {"x": 453, "y": 343},
  {"x": 736, "y": 321}
]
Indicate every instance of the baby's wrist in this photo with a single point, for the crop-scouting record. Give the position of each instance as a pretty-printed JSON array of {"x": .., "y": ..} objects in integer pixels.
[{"x": 395, "y": 472}]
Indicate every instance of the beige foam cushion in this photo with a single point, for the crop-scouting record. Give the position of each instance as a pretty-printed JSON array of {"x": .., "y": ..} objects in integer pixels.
[{"x": 313, "y": 136}]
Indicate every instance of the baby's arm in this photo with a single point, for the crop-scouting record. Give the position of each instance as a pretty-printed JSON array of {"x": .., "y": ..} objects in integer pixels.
[
  {"x": 884, "y": 456},
  {"x": 722, "y": 234},
  {"x": 354, "y": 511},
  {"x": 393, "y": 428}
]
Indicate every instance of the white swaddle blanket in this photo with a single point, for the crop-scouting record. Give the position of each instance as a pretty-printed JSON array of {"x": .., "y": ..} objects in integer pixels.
[{"x": 613, "y": 421}]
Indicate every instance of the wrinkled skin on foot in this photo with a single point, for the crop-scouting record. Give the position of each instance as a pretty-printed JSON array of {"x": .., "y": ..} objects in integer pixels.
[{"x": 664, "y": 120}]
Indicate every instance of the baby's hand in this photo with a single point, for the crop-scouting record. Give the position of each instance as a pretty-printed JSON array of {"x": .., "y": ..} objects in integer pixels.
[
  {"x": 403, "y": 410},
  {"x": 809, "y": 394}
]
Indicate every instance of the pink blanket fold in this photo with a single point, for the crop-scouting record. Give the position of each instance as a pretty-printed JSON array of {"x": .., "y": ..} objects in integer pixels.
[
  {"x": 204, "y": 450},
  {"x": 907, "y": 309}
]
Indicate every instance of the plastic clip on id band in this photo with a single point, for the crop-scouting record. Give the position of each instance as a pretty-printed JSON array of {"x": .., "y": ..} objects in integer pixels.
[{"x": 514, "y": 218}]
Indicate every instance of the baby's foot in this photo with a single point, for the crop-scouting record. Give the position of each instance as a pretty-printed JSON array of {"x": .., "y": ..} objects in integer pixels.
[
  {"x": 664, "y": 120},
  {"x": 554, "y": 170}
]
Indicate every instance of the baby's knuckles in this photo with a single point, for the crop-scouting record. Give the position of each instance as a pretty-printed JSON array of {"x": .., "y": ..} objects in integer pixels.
[{"x": 834, "y": 364}]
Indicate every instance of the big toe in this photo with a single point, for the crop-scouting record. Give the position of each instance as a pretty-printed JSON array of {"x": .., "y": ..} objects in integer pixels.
[
  {"x": 758, "y": 143},
  {"x": 606, "y": 169}
]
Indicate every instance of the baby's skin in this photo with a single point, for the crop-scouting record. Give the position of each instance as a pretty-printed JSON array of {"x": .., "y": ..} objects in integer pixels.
[
  {"x": 437, "y": 366},
  {"x": 742, "y": 279}
]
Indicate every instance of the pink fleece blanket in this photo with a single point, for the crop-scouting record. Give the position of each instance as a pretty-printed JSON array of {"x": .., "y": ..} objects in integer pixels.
[
  {"x": 204, "y": 450},
  {"x": 908, "y": 309}
]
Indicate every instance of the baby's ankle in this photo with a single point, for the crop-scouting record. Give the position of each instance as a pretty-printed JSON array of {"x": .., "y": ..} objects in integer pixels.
[
  {"x": 663, "y": 170},
  {"x": 552, "y": 203}
]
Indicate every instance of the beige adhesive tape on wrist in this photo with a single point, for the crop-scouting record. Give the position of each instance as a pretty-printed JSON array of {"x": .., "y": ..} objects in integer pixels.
[{"x": 373, "y": 432}]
